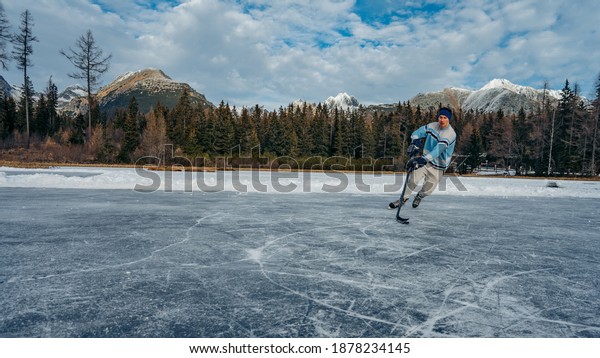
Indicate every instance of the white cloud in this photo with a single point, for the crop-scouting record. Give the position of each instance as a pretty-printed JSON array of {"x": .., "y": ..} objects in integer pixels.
[{"x": 273, "y": 52}]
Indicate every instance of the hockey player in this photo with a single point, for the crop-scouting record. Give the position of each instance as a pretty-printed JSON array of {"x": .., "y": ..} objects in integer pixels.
[{"x": 440, "y": 139}]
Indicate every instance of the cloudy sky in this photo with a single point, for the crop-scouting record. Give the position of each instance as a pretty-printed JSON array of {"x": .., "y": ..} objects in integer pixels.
[{"x": 248, "y": 52}]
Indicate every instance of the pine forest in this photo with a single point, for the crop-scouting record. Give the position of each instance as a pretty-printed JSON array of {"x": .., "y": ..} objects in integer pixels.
[{"x": 562, "y": 138}]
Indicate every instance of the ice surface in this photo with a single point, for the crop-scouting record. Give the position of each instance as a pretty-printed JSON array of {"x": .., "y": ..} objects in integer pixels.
[{"x": 123, "y": 263}]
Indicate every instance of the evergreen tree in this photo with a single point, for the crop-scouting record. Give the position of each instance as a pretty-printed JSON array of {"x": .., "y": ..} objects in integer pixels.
[
  {"x": 247, "y": 129},
  {"x": 474, "y": 149},
  {"x": 257, "y": 119},
  {"x": 337, "y": 134},
  {"x": 392, "y": 139},
  {"x": 357, "y": 134},
  {"x": 224, "y": 134},
  {"x": 347, "y": 149},
  {"x": 198, "y": 138},
  {"x": 303, "y": 118},
  {"x": 192, "y": 142},
  {"x": 161, "y": 110},
  {"x": 405, "y": 128},
  {"x": 540, "y": 132},
  {"x": 380, "y": 135},
  {"x": 182, "y": 119},
  {"x": 485, "y": 128},
  {"x": 409, "y": 124},
  {"x": 107, "y": 152},
  {"x": 119, "y": 118},
  {"x": 560, "y": 151},
  {"x": 131, "y": 139},
  {"x": 276, "y": 135},
  {"x": 8, "y": 116},
  {"x": 290, "y": 140},
  {"x": 418, "y": 117},
  {"x": 51, "y": 105},
  {"x": 272, "y": 128},
  {"x": 208, "y": 135},
  {"x": 578, "y": 135},
  {"x": 22, "y": 51},
  {"x": 40, "y": 123},
  {"x": 319, "y": 131},
  {"x": 78, "y": 131},
  {"x": 25, "y": 103}
]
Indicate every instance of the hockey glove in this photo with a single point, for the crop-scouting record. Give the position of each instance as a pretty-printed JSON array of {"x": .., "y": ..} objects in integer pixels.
[
  {"x": 414, "y": 147},
  {"x": 416, "y": 163}
]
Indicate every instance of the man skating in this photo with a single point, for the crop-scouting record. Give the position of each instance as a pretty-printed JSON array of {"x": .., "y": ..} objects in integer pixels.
[{"x": 440, "y": 139}]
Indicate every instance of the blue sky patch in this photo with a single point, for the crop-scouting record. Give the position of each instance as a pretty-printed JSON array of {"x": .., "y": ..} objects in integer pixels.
[{"x": 385, "y": 12}]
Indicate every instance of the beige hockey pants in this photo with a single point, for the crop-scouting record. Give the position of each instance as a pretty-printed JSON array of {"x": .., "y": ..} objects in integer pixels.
[{"x": 432, "y": 179}]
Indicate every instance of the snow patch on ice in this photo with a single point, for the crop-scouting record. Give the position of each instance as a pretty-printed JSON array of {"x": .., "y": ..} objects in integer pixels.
[{"x": 273, "y": 183}]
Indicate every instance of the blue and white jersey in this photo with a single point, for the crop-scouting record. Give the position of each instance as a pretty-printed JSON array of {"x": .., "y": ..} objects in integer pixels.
[{"x": 439, "y": 144}]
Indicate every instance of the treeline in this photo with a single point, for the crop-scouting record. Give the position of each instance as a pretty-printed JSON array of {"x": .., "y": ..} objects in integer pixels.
[{"x": 558, "y": 138}]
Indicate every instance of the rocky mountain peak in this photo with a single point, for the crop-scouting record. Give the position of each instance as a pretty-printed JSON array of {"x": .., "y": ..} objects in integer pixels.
[
  {"x": 498, "y": 94},
  {"x": 501, "y": 83},
  {"x": 73, "y": 91},
  {"x": 149, "y": 79},
  {"x": 148, "y": 86},
  {"x": 343, "y": 100}
]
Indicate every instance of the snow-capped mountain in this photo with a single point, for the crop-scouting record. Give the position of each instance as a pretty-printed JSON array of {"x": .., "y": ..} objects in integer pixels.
[
  {"x": 493, "y": 96},
  {"x": 343, "y": 101},
  {"x": 72, "y": 100},
  {"x": 15, "y": 91},
  {"x": 67, "y": 95},
  {"x": 299, "y": 103},
  {"x": 502, "y": 94},
  {"x": 529, "y": 91},
  {"x": 448, "y": 96},
  {"x": 64, "y": 97},
  {"x": 5, "y": 88}
]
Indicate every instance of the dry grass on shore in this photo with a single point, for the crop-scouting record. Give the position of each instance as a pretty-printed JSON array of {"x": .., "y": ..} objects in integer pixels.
[{"x": 47, "y": 165}]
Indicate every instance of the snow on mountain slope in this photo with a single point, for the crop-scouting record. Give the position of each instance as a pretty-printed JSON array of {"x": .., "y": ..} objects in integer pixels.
[
  {"x": 493, "y": 96},
  {"x": 343, "y": 101},
  {"x": 73, "y": 91}
]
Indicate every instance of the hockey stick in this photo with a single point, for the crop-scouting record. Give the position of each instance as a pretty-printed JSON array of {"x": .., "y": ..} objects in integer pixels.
[{"x": 398, "y": 217}]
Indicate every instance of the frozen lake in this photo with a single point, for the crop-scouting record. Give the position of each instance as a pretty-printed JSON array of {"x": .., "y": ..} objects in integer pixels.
[{"x": 121, "y": 263}]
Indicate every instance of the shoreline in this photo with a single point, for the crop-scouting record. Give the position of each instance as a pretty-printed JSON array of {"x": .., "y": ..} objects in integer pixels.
[{"x": 176, "y": 168}]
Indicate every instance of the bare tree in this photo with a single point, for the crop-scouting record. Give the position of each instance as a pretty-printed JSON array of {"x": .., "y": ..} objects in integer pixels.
[
  {"x": 22, "y": 54},
  {"x": 91, "y": 63},
  {"x": 5, "y": 37}
]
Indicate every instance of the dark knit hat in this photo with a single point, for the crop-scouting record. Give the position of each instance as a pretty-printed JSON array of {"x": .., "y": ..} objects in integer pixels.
[{"x": 446, "y": 112}]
